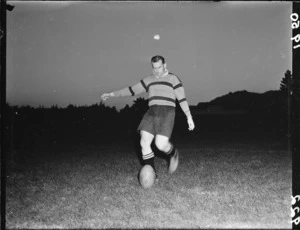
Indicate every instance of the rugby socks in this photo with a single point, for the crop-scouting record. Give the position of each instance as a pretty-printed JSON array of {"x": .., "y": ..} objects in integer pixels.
[{"x": 148, "y": 159}]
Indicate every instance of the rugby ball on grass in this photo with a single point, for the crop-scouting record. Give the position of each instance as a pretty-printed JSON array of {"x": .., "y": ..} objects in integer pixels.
[{"x": 147, "y": 176}]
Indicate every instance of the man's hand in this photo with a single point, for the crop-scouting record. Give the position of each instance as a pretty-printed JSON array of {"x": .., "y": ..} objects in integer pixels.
[
  {"x": 190, "y": 123},
  {"x": 105, "y": 96}
]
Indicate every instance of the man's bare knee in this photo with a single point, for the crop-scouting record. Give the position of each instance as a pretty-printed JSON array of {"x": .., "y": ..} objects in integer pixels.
[{"x": 162, "y": 144}]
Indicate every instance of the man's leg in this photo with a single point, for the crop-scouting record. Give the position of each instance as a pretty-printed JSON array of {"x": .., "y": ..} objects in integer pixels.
[
  {"x": 163, "y": 144},
  {"x": 147, "y": 153}
]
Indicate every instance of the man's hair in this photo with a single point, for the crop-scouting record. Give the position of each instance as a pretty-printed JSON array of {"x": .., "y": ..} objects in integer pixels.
[{"x": 158, "y": 58}]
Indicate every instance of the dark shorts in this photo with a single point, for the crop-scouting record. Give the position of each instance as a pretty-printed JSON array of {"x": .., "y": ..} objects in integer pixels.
[{"x": 159, "y": 119}]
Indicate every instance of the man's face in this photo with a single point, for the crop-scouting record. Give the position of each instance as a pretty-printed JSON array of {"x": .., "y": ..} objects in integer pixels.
[{"x": 158, "y": 68}]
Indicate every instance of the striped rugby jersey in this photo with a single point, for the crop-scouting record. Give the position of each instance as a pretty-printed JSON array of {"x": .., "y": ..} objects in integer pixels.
[{"x": 161, "y": 91}]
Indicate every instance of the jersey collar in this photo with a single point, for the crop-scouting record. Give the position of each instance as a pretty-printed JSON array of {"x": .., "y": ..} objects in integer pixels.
[{"x": 165, "y": 74}]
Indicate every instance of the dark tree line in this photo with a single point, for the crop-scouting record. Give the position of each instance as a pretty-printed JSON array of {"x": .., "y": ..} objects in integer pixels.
[{"x": 25, "y": 126}]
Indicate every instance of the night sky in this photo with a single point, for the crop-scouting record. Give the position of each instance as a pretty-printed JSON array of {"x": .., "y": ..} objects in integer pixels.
[{"x": 71, "y": 52}]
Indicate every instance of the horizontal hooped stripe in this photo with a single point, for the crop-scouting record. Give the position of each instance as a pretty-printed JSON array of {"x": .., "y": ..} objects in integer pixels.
[
  {"x": 144, "y": 85},
  {"x": 148, "y": 156},
  {"x": 152, "y": 153},
  {"x": 161, "y": 83},
  {"x": 131, "y": 91},
  {"x": 178, "y": 85},
  {"x": 182, "y": 100},
  {"x": 161, "y": 98}
]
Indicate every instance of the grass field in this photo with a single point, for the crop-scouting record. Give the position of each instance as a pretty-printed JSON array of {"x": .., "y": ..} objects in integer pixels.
[{"x": 217, "y": 185}]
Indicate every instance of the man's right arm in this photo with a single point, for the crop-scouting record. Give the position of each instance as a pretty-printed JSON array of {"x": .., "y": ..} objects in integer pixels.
[{"x": 138, "y": 88}]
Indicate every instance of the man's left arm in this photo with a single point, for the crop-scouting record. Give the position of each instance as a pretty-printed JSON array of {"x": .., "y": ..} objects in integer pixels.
[{"x": 180, "y": 95}]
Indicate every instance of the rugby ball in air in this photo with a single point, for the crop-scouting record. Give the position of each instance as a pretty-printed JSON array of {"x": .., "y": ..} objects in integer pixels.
[
  {"x": 147, "y": 176},
  {"x": 156, "y": 37}
]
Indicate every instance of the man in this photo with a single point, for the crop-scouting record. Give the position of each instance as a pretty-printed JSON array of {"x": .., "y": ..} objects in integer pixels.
[{"x": 163, "y": 89}]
